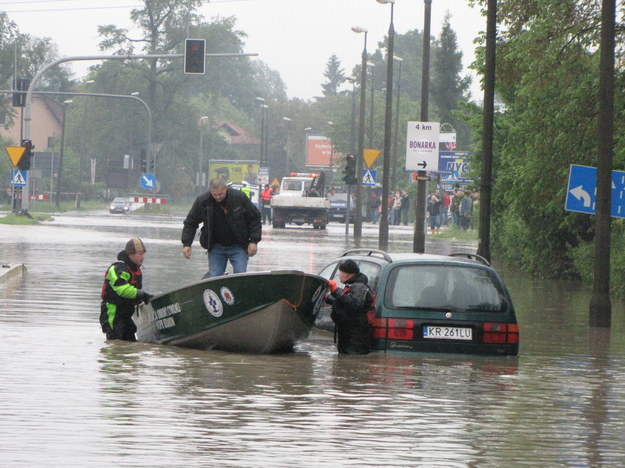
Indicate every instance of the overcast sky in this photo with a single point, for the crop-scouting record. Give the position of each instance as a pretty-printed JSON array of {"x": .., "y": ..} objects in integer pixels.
[{"x": 294, "y": 37}]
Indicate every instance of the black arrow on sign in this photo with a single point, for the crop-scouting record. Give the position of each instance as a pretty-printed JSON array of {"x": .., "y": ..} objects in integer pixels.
[{"x": 424, "y": 164}]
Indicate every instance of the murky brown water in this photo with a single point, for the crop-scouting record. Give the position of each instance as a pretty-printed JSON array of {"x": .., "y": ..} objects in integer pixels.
[{"x": 68, "y": 398}]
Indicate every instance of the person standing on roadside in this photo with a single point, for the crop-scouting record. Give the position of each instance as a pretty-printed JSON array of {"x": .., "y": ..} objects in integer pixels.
[
  {"x": 350, "y": 306},
  {"x": 231, "y": 228},
  {"x": 122, "y": 292},
  {"x": 265, "y": 204}
]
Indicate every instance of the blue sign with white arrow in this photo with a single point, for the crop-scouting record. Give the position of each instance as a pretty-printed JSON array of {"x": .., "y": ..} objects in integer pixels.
[
  {"x": 581, "y": 194},
  {"x": 148, "y": 181}
]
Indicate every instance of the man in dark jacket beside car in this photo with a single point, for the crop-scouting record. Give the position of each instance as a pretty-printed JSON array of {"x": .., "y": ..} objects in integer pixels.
[
  {"x": 231, "y": 228},
  {"x": 350, "y": 306}
]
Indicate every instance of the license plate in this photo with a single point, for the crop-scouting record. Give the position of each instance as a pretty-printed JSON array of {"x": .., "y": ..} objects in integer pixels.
[{"x": 447, "y": 333}]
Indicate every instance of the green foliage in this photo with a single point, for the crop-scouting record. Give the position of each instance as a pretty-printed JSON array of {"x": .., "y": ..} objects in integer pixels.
[{"x": 547, "y": 77}]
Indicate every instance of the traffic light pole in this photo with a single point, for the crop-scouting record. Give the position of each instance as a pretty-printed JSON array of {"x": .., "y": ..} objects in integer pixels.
[{"x": 37, "y": 78}]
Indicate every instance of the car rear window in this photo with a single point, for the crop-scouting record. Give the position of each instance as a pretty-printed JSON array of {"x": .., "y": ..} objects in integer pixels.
[{"x": 457, "y": 288}]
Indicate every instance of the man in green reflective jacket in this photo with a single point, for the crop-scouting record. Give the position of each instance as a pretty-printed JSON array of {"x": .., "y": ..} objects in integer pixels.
[{"x": 122, "y": 292}]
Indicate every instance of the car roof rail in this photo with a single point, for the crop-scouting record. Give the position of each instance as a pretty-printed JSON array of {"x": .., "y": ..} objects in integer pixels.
[
  {"x": 470, "y": 256},
  {"x": 370, "y": 252}
]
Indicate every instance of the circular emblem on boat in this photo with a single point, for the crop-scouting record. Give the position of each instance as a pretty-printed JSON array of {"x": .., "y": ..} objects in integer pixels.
[
  {"x": 227, "y": 295},
  {"x": 213, "y": 303}
]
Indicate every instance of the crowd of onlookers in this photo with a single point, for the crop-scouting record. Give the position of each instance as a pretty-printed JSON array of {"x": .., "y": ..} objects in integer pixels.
[{"x": 443, "y": 208}]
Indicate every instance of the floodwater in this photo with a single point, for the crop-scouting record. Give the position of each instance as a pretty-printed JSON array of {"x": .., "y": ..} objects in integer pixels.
[{"x": 68, "y": 398}]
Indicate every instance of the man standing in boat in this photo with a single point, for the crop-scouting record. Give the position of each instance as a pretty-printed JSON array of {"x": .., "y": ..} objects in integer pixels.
[
  {"x": 121, "y": 293},
  {"x": 350, "y": 306},
  {"x": 231, "y": 228}
]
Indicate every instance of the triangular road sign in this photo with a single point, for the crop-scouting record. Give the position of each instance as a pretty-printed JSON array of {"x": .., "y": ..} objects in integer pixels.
[
  {"x": 15, "y": 153},
  {"x": 370, "y": 155}
]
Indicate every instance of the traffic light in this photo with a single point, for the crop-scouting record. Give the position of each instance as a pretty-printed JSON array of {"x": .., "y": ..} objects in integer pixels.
[
  {"x": 24, "y": 162},
  {"x": 144, "y": 161},
  {"x": 350, "y": 170},
  {"x": 19, "y": 96},
  {"x": 194, "y": 56}
]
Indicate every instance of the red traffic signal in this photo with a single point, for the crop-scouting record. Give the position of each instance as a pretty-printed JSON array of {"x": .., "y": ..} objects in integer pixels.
[{"x": 194, "y": 56}]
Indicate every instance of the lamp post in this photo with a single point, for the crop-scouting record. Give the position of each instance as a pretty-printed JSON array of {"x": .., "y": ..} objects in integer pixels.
[
  {"x": 386, "y": 167},
  {"x": 372, "y": 66},
  {"x": 201, "y": 152},
  {"x": 265, "y": 159},
  {"x": 331, "y": 125},
  {"x": 285, "y": 147},
  {"x": 418, "y": 245},
  {"x": 261, "y": 103},
  {"x": 58, "y": 180},
  {"x": 396, "y": 132},
  {"x": 150, "y": 163},
  {"x": 83, "y": 143},
  {"x": 361, "y": 137},
  {"x": 306, "y": 130}
]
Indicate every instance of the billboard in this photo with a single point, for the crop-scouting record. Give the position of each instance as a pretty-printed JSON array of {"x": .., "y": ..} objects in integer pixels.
[
  {"x": 318, "y": 151},
  {"x": 235, "y": 171}
]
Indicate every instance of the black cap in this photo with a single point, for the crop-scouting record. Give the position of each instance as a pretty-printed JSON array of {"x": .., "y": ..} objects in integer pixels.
[{"x": 349, "y": 266}]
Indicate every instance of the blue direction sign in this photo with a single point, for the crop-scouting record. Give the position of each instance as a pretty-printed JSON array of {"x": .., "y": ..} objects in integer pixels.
[
  {"x": 581, "y": 193},
  {"x": 18, "y": 177},
  {"x": 369, "y": 176},
  {"x": 148, "y": 181}
]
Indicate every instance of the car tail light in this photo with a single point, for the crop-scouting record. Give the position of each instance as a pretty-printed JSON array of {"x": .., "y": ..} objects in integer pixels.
[
  {"x": 501, "y": 333},
  {"x": 392, "y": 329}
]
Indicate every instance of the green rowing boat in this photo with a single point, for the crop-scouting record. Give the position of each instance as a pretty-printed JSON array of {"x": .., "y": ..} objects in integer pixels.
[{"x": 261, "y": 312}]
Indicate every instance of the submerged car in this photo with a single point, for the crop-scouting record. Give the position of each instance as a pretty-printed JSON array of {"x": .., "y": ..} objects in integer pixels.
[
  {"x": 433, "y": 303},
  {"x": 120, "y": 205}
]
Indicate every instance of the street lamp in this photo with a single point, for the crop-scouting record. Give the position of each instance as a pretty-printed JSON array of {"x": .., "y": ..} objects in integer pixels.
[
  {"x": 201, "y": 152},
  {"x": 83, "y": 143},
  {"x": 66, "y": 104},
  {"x": 418, "y": 245},
  {"x": 306, "y": 130},
  {"x": 361, "y": 137},
  {"x": 265, "y": 125},
  {"x": 261, "y": 103},
  {"x": 285, "y": 147},
  {"x": 396, "y": 140},
  {"x": 386, "y": 168},
  {"x": 372, "y": 66}
]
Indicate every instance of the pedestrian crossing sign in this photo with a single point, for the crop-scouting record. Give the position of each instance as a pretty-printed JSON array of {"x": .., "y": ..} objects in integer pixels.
[
  {"x": 18, "y": 178},
  {"x": 368, "y": 177}
]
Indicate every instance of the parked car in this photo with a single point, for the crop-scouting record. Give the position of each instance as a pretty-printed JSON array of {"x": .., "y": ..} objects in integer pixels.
[
  {"x": 120, "y": 205},
  {"x": 433, "y": 303},
  {"x": 338, "y": 208}
]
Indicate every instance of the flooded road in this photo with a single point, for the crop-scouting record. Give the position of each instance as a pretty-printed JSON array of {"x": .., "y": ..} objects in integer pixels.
[{"x": 68, "y": 398}]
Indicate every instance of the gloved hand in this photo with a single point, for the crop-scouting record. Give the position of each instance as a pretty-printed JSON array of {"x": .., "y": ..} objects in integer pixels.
[
  {"x": 144, "y": 297},
  {"x": 333, "y": 286}
]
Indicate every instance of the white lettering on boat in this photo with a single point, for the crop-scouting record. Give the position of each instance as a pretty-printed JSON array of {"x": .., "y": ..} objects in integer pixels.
[
  {"x": 162, "y": 317},
  {"x": 167, "y": 322}
]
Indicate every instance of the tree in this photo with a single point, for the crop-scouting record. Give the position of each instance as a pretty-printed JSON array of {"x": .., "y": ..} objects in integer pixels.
[
  {"x": 448, "y": 87},
  {"x": 335, "y": 75}
]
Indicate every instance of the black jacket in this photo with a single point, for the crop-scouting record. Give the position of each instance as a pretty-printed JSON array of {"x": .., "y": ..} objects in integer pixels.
[
  {"x": 350, "y": 306},
  {"x": 243, "y": 218}
]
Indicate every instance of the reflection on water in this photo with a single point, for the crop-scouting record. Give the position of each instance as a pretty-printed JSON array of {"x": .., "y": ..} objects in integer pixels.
[{"x": 68, "y": 398}]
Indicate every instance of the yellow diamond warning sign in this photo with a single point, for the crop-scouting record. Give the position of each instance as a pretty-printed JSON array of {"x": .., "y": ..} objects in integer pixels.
[
  {"x": 370, "y": 156},
  {"x": 15, "y": 153}
]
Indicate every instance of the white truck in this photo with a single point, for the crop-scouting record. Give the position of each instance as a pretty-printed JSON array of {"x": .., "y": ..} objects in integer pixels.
[{"x": 302, "y": 200}]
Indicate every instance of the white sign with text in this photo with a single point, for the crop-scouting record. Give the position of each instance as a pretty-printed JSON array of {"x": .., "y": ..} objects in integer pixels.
[{"x": 422, "y": 146}]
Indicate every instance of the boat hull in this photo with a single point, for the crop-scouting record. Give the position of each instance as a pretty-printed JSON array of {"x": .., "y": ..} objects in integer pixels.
[{"x": 261, "y": 312}]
